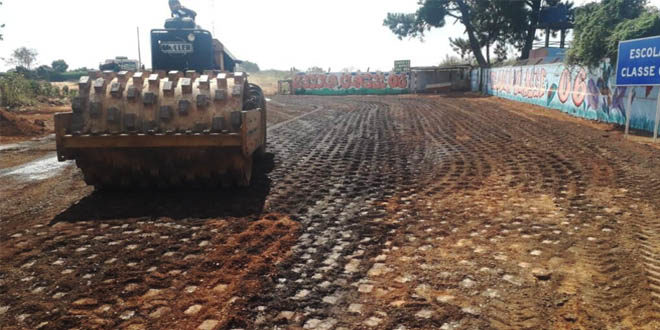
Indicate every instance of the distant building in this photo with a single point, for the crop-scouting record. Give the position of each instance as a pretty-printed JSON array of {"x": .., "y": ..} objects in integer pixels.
[{"x": 119, "y": 63}]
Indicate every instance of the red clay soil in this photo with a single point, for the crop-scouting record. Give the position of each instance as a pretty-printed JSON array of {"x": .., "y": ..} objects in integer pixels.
[
  {"x": 190, "y": 279},
  {"x": 368, "y": 212},
  {"x": 13, "y": 125}
]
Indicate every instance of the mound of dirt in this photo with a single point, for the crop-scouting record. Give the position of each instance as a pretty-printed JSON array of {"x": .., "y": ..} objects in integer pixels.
[{"x": 13, "y": 125}]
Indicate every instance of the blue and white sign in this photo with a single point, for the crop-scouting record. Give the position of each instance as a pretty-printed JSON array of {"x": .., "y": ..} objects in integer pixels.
[{"x": 639, "y": 62}]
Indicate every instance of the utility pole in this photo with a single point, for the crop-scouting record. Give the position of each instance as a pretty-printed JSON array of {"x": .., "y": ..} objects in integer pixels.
[{"x": 139, "y": 51}]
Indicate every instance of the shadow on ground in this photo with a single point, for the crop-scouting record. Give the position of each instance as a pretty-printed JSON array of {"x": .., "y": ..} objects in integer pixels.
[{"x": 175, "y": 204}]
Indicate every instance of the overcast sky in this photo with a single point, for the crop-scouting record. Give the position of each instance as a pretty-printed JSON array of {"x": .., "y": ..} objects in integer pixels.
[{"x": 280, "y": 34}]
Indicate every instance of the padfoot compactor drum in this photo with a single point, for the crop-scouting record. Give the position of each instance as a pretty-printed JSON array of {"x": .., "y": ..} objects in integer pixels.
[{"x": 190, "y": 122}]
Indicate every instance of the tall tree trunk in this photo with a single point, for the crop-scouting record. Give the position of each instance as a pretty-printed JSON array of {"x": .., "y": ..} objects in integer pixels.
[
  {"x": 488, "y": 52},
  {"x": 474, "y": 42},
  {"x": 531, "y": 29}
]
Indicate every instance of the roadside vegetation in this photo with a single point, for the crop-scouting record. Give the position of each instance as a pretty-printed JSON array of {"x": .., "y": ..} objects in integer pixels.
[
  {"x": 26, "y": 85},
  {"x": 599, "y": 26},
  {"x": 499, "y": 28},
  {"x": 16, "y": 91},
  {"x": 488, "y": 25}
]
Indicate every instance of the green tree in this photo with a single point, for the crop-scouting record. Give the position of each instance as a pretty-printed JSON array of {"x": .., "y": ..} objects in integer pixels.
[
  {"x": 600, "y": 26},
  {"x": 512, "y": 22},
  {"x": 496, "y": 21},
  {"x": 461, "y": 47},
  {"x": 432, "y": 14},
  {"x": 501, "y": 52},
  {"x": 60, "y": 66},
  {"x": 24, "y": 57},
  {"x": 527, "y": 34},
  {"x": 486, "y": 22},
  {"x": 45, "y": 72},
  {"x": 15, "y": 90},
  {"x": 25, "y": 72}
]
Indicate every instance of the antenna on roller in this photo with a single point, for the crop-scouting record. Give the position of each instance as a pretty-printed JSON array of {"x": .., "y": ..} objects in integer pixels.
[{"x": 212, "y": 16}]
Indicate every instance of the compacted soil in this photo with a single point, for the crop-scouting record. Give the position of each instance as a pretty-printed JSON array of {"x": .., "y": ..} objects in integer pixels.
[{"x": 401, "y": 212}]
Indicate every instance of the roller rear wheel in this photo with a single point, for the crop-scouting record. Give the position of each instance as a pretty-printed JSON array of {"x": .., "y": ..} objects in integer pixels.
[{"x": 255, "y": 99}]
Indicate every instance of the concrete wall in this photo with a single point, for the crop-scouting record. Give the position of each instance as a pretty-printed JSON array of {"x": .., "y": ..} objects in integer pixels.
[
  {"x": 351, "y": 83},
  {"x": 459, "y": 78},
  {"x": 586, "y": 93},
  {"x": 362, "y": 83}
]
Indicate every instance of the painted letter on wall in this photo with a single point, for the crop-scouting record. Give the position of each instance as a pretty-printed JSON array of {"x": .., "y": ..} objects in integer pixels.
[
  {"x": 579, "y": 91},
  {"x": 351, "y": 83}
]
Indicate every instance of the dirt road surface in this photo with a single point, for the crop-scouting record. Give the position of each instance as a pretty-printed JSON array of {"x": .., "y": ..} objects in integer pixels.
[{"x": 433, "y": 212}]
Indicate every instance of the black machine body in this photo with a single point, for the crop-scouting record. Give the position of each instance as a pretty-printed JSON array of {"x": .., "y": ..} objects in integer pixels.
[{"x": 183, "y": 46}]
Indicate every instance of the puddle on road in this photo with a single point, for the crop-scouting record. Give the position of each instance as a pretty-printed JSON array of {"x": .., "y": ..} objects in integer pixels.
[{"x": 40, "y": 169}]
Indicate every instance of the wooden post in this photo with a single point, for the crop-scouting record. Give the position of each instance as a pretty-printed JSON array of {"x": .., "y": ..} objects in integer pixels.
[
  {"x": 657, "y": 118},
  {"x": 629, "y": 103}
]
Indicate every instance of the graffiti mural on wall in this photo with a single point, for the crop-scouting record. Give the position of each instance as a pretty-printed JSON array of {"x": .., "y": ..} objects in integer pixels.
[
  {"x": 351, "y": 83},
  {"x": 576, "y": 90}
]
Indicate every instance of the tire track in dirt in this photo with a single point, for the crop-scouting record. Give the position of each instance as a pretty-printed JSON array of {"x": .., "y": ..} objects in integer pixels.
[
  {"x": 335, "y": 233},
  {"x": 408, "y": 212},
  {"x": 532, "y": 160},
  {"x": 617, "y": 278},
  {"x": 646, "y": 231}
]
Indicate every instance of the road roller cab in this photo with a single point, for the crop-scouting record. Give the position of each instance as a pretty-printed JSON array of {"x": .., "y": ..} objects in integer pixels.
[{"x": 182, "y": 45}]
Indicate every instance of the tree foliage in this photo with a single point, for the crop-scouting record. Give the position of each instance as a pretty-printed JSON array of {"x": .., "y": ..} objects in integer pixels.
[
  {"x": 45, "y": 72},
  {"x": 501, "y": 52},
  {"x": 15, "y": 90},
  {"x": 432, "y": 14},
  {"x": 18, "y": 90},
  {"x": 24, "y": 57},
  {"x": 453, "y": 61},
  {"x": 60, "y": 66},
  {"x": 487, "y": 23},
  {"x": 646, "y": 25},
  {"x": 600, "y": 26},
  {"x": 499, "y": 21},
  {"x": 461, "y": 47}
]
